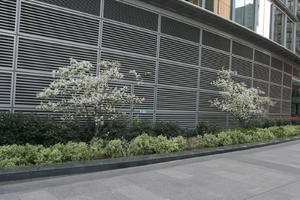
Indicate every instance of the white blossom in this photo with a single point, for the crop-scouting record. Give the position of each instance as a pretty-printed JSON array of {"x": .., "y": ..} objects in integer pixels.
[
  {"x": 242, "y": 102},
  {"x": 76, "y": 92}
]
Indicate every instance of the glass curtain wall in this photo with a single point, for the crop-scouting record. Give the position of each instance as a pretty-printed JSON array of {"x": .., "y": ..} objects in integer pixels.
[
  {"x": 263, "y": 21},
  {"x": 278, "y": 32},
  {"x": 220, "y": 7},
  {"x": 244, "y": 13},
  {"x": 289, "y": 34}
]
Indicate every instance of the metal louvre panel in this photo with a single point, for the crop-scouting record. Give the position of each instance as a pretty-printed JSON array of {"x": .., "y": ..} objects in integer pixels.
[
  {"x": 7, "y": 51},
  {"x": 51, "y": 23},
  {"x": 131, "y": 15},
  {"x": 7, "y": 14},
  {"x": 275, "y": 91},
  {"x": 128, "y": 40},
  {"x": 287, "y": 80},
  {"x": 276, "y": 108},
  {"x": 45, "y": 56},
  {"x": 296, "y": 72},
  {"x": 204, "y": 98},
  {"x": 142, "y": 116},
  {"x": 242, "y": 67},
  {"x": 206, "y": 78},
  {"x": 28, "y": 86},
  {"x": 286, "y": 107},
  {"x": 146, "y": 68},
  {"x": 214, "y": 59},
  {"x": 261, "y": 72},
  {"x": 262, "y": 86},
  {"x": 171, "y": 74},
  {"x": 172, "y": 99},
  {"x": 277, "y": 64},
  {"x": 242, "y": 50},
  {"x": 215, "y": 41},
  {"x": 179, "y": 51},
  {"x": 286, "y": 94},
  {"x": 238, "y": 79},
  {"x": 5, "y": 87},
  {"x": 232, "y": 121},
  {"x": 179, "y": 29},
  {"x": 288, "y": 68},
  {"x": 86, "y": 6},
  {"x": 185, "y": 120},
  {"x": 147, "y": 93},
  {"x": 214, "y": 119},
  {"x": 261, "y": 57},
  {"x": 276, "y": 77}
]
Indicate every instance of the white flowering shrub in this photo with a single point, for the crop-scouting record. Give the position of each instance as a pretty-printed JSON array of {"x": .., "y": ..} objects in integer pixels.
[
  {"x": 242, "y": 102},
  {"x": 76, "y": 92}
]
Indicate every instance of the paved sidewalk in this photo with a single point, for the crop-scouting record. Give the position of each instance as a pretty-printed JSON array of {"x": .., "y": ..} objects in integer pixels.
[{"x": 270, "y": 173}]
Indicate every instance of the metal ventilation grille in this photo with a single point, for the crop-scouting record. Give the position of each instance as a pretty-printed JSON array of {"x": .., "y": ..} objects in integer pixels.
[
  {"x": 130, "y": 15},
  {"x": 142, "y": 116},
  {"x": 286, "y": 107},
  {"x": 248, "y": 82},
  {"x": 214, "y": 119},
  {"x": 128, "y": 40},
  {"x": 261, "y": 57},
  {"x": 86, "y": 6},
  {"x": 242, "y": 50},
  {"x": 206, "y": 77},
  {"x": 181, "y": 30},
  {"x": 262, "y": 86},
  {"x": 261, "y": 72},
  {"x": 5, "y": 87},
  {"x": 7, "y": 51},
  {"x": 147, "y": 93},
  {"x": 172, "y": 99},
  {"x": 296, "y": 72},
  {"x": 45, "y": 56},
  {"x": 288, "y": 68},
  {"x": 215, "y": 41},
  {"x": 275, "y": 63},
  {"x": 242, "y": 67},
  {"x": 276, "y": 77},
  {"x": 48, "y": 22},
  {"x": 170, "y": 74},
  {"x": 275, "y": 91},
  {"x": 287, "y": 94},
  {"x": 204, "y": 98},
  {"x": 276, "y": 108},
  {"x": 7, "y": 14},
  {"x": 28, "y": 86},
  {"x": 214, "y": 60},
  {"x": 146, "y": 68},
  {"x": 287, "y": 80},
  {"x": 185, "y": 120},
  {"x": 179, "y": 51}
]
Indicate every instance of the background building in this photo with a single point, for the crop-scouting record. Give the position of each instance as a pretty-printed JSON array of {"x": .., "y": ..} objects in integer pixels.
[{"x": 177, "y": 45}]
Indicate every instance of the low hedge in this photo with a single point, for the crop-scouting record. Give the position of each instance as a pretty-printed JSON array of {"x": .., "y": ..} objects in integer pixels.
[{"x": 21, "y": 155}]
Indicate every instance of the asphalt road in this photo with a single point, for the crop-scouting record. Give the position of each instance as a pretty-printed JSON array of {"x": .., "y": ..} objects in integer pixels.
[{"x": 269, "y": 173}]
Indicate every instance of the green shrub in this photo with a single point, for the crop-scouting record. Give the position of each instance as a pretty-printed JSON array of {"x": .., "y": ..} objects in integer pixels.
[
  {"x": 260, "y": 135},
  {"x": 97, "y": 146},
  {"x": 205, "y": 128},
  {"x": 49, "y": 156},
  {"x": 143, "y": 144},
  {"x": 115, "y": 148},
  {"x": 224, "y": 139},
  {"x": 194, "y": 143},
  {"x": 210, "y": 140},
  {"x": 164, "y": 145},
  {"x": 17, "y": 128}
]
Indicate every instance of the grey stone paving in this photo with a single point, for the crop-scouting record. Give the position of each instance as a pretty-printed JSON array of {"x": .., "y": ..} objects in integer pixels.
[{"x": 270, "y": 173}]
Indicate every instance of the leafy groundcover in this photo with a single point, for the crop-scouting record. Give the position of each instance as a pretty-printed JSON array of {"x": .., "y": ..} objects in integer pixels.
[{"x": 97, "y": 148}]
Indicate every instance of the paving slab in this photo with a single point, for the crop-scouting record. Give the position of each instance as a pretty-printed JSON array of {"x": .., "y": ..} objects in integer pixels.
[{"x": 267, "y": 173}]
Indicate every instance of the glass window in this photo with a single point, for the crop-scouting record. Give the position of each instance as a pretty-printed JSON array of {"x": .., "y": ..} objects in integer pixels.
[
  {"x": 289, "y": 34},
  {"x": 263, "y": 20},
  {"x": 220, "y": 7},
  {"x": 298, "y": 39},
  {"x": 290, "y": 4},
  {"x": 196, "y": 2},
  {"x": 244, "y": 13},
  {"x": 278, "y": 26}
]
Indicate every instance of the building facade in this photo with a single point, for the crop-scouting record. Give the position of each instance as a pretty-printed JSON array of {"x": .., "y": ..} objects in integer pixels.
[{"x": 178, "y": 46}]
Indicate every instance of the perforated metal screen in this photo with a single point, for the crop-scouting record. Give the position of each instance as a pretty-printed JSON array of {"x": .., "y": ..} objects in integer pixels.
[{"x": 177, "y": 67}]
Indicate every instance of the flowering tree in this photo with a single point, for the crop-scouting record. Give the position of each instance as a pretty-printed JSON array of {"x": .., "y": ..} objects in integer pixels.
[
  {"x": 242, "y": 102},
  {"x": 76, "y": 92}
]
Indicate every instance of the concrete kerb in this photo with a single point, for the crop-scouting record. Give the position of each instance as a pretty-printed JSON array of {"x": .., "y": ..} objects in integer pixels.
[{"x": 69, "y": 168}]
